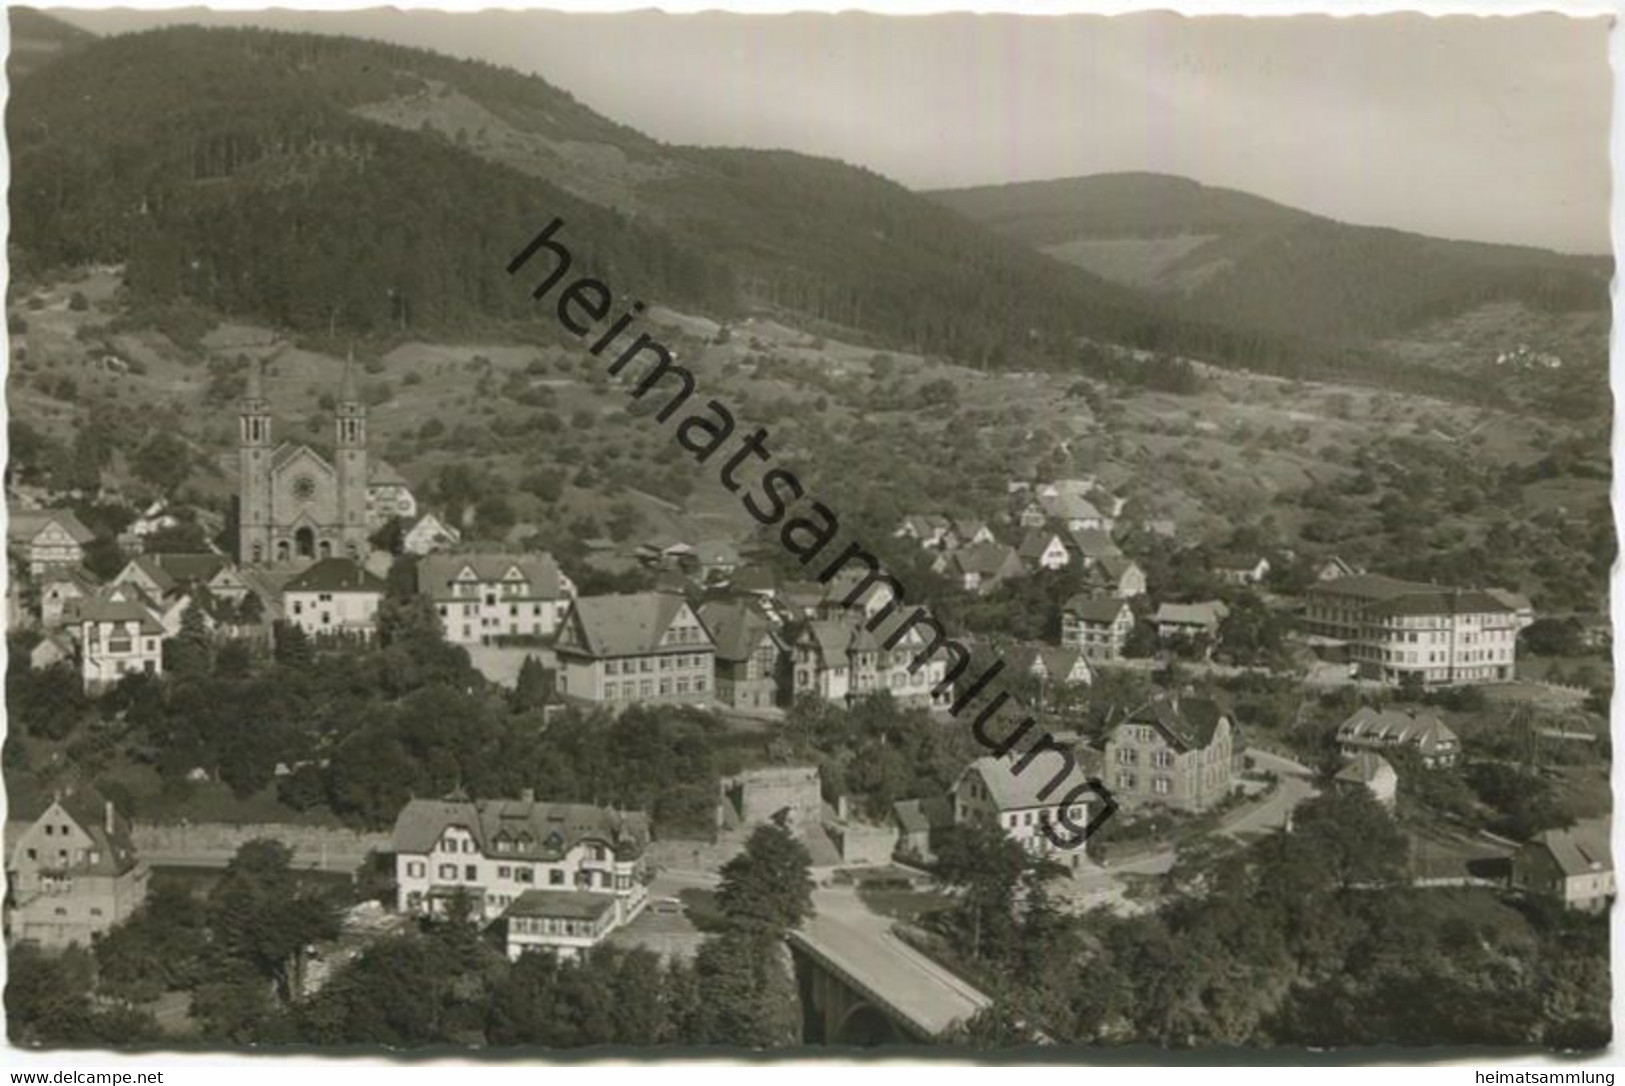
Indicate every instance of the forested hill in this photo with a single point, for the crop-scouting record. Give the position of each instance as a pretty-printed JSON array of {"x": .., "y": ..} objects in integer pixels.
[
  {"x": 1225, "y": 255},
  {"x": 327, "y": 182},
  {"x": 37, "y": 38}
]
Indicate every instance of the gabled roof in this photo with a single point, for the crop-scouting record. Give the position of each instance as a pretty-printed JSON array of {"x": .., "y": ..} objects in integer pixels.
[
  {"x": 1580, "y": 849},
  {"x": 1425, "y": 731},
  {"x": 536, "y": 829},
  {"x": 738, "y": 627},
  {"x": 923, "y": 815},
  {"x": 925, "y": 523},
  {"x": 985, "y": 559},
  {"x": 25, "y": 524},
  {"x": 1098, "y": 609},
  {"x": 120, "y": 603},
  {"x": 335, "y": 575},
  {"x": 438, "y": 573},
  {"x": 1094, "y": 543},
  {"x": 78, "y": 576},
  {"x": 289, "y": 451},
  {"x": 1186, "y": 723},
  {"x": 1237, "y": 560},
  {"x": 171, "y": 571},
  {"x": 1060, "y": 661},
  {"x": 89, "y": 810},
  {"x": 1069, "y": 506},
  {"x": 1036, "y": 542},
  {"x": 626, "y": 625},
  {"x": 1011, "y": 791},
  {"x": 1210, "y": 613},
  {"x": 381, "y": 472}
]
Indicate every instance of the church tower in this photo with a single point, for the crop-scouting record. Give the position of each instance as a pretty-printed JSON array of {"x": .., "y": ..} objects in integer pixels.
[
  {"x": 350, "y": 456},
  {"x": 254, "y": 471}
]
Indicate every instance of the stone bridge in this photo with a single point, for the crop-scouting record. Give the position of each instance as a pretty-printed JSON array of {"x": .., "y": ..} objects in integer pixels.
[{"x": 861, "y": 985}]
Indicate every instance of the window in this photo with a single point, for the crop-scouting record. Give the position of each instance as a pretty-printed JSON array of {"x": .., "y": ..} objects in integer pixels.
[
  {"x": 555, "y": 877},
  {"x": 449, "y": 872},
  {"x": 414, "y": 869},
  {"x": 504, "y": 872},
  {"x": 524, "y": 874},
  {"x": 471, "y": 872},
  {"x": 1161, "y": 786}
]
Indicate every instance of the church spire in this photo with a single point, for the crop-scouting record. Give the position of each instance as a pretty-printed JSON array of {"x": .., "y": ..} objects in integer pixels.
[
  {"x": 256, "y": 382},
  {"x": 347, "y": 392}
]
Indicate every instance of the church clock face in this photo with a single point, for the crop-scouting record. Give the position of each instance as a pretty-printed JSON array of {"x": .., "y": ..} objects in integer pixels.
[{"x": 304, "y": 488}]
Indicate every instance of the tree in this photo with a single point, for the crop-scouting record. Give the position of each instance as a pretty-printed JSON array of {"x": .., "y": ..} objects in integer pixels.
[
  {"x": 292, "y": 647},
  {"x": 767, "y": 888},
  {"x": 533, "y": 687},
  {"x": 189, "y": 653},
  {"x": 165, "y": 461},
  {"x": 263, "y": 918},
  {"x": 980, "y": 860},
  {"x": 746, "y": 998}
]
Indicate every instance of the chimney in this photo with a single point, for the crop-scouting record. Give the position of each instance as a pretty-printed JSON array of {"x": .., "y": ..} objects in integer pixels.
[{"x": 107, "y": 816}]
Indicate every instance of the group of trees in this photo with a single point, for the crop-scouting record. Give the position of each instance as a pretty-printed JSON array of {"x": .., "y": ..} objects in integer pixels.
[{"x": 1305, "y": 938}]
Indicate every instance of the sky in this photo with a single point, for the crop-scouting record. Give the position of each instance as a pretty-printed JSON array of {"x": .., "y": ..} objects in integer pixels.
[{"x": 1490, "y": 129}]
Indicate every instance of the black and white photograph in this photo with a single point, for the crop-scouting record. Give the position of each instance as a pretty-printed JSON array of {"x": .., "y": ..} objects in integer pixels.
[{"x": 848, "y": 534}]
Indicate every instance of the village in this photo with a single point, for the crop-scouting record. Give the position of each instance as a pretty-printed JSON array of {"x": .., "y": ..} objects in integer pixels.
[{"x": 1208, "y": 717}]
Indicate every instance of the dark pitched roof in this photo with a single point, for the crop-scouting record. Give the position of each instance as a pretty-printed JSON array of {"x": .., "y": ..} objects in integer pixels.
[
  {"x": 115, "y": 852},
  {"x": 24, "y": 524},
  {"x": 1100, "y": 609},
  {"x": 334, "y": 575},
  {"x": 627, "y": 625},
  {"x": 437, "y": 574},
  {"x": 1010, "y": 790},
  {"x": 738, "y": 627},
  {"x": 1580, "y": 849},
  {"x": 537, "y": 829},
  {"x": 1187, "y": 723},
  {"x": 923, "y": 815},
  {"x": 120, "y": 603},
  {"x": 1383, "y": 595}
]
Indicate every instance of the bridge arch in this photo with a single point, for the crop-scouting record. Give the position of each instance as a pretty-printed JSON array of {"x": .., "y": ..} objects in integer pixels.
[{"x": 864, "y": 1026}]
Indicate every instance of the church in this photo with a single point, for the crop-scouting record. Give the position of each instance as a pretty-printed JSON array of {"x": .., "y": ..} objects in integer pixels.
[{"x": 294, "y": 505}]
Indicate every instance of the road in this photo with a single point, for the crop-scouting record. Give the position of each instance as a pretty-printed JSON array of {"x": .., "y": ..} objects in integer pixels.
[
  {"x": 862, "y": 945},
  {"x": 1297, "y": 785}
]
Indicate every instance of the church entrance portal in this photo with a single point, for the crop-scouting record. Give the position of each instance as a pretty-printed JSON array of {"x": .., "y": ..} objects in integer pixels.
[{"x": 304, "y": 541}]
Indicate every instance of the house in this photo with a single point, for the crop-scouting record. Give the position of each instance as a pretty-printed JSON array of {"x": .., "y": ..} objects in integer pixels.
[
  {"x": 121, "y": 632},
  {"x": 483, "y": 597},
  {"x": 1043, "y": 550},
  {"x": 1097, "y": 626},
  {"x": 1072, "y": 510},
  {"x": 1333, "y": 568},
  {"x": 645, "y": 647},
  {"x": 1396, "y": 630},
  {"x": 72, "y": 873},
  {"x": 969, "y": 532},
  {"x": 155, "y": 518},
  {"x": 60, "y": 590},
  {"x": 920, "y": 823},
  {"x": 429, "y": 535},
  {"x": 1378, "y": 729},
  {"x": 980, "y": 567},
  {"x": 1372, "y": 772},
  {"x": 1174, "y": 752},
  {"x": 1191, "y": 619},
  {"x": 162, "y": 576},
  {"x": 751, "y": 659},
  {"x": 1114, "y": 575},
  {"x": 1048, "y": 665},
  {"x": 716, "y": 559},
  {"x": 555, "y": 876},
  {"x": 1574, "y": 865},
  {"x": 1024, "y": 801},
  {"x": 55, "y": 648},
  {"x": 788, "y": 796},
  {"x": 1516, "y": 602},
  {"x": 334, "y": 597},
  {"x": 1091, "y": 545},
  {"x": 1241, "y": 569},
  {"x": 841, "y": 660},
  {"x": 929, "y": 530},
  {"x": 42, "y": 538},
  {"x": 389, "y": 495}
]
